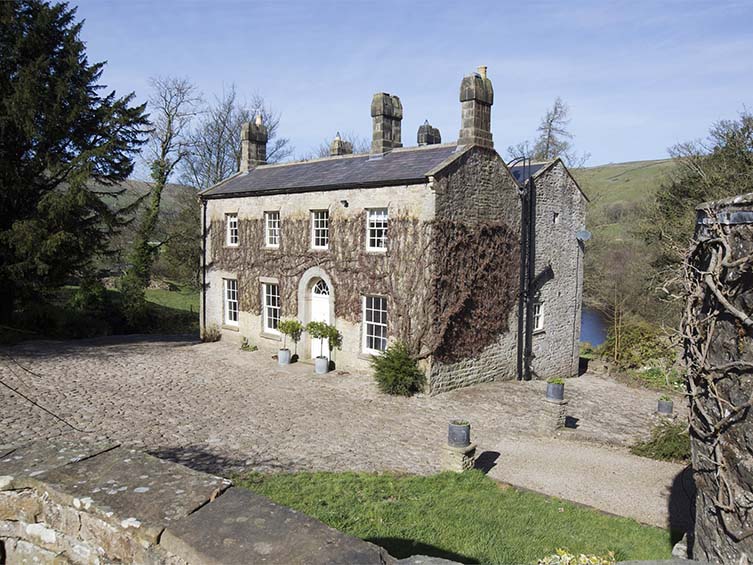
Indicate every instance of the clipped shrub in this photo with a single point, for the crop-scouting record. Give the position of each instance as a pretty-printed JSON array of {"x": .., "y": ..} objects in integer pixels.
[
  {"x": 211, "y": 333},
  {"x": 396, "y": 371},
  {"x": 556, "y": 381},
  {"x": 669, "y": 441},
  {"x": 292, "y": 329}
]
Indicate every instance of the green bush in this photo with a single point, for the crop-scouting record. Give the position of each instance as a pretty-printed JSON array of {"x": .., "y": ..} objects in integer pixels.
[
  {"x": 669, "y": 441},
  {"x": 556, "y": 381},
  {"x": 658, "y": 378},
  {"x": 396, "y": 372},
  {"x": 640, "y": 343}
]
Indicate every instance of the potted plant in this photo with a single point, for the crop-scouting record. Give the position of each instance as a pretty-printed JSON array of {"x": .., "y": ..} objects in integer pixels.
[
  {"x": 289, "y": 329},
  {"x": 555, "y": 389},
  {"x": 334, "y": 340},
  {"x": 665, "y": 405},
  {"x": 459, "y": 433},
  {"x": 320, "y": 331}
]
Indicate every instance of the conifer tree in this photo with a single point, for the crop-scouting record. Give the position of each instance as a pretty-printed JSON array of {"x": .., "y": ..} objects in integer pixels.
[{"x": 58, "y": 133}]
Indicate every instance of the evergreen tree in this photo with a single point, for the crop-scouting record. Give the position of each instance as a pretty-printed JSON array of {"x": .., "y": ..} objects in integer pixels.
[{"x": 58, "y": 132}]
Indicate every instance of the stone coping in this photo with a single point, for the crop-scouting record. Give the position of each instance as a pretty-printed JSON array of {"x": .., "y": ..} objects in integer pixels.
[{"x": 92, "y": 503}]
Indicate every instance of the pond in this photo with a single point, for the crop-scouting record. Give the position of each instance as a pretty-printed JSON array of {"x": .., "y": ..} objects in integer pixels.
[{"x": 593, "y": 327}]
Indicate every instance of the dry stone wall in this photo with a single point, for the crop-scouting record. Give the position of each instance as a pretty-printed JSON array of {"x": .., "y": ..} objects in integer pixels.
[{"x": 97, "y": 503}]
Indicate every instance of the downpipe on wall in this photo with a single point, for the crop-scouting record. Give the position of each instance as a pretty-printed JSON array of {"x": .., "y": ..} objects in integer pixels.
[{"x": 203, "y": 266}]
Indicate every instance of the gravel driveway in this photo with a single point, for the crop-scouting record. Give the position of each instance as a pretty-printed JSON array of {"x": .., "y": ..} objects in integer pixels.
[{"x": 219, "y": 409}]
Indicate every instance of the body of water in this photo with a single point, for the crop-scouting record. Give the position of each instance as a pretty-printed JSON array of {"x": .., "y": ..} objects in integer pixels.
[{"x": 593, "y": 327}]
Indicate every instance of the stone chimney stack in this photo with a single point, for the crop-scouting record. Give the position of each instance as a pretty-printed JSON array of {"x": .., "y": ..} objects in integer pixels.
[
  {"x": 253, "y": 144},
  {"x": 428, "y": 135},
  {"x": 340, "y": 147},
  {"x": 387, "y": 114},
  {"x": 476, "y": 97}
]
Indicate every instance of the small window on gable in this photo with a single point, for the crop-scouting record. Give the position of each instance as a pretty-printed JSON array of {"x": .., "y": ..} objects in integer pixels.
[
  {"x": 231, "y": 221},
  {"x": 376, "y": 229},
  {"x": 556, "y": 218},
  {"x": 272, "y": 229},
  {"x": 538, "y": 317}
]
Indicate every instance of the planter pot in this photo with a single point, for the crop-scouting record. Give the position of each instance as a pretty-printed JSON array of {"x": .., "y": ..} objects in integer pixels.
[
  {"x": 459, "y": 435},
  {"x": 555, "y": 392},
  {"x": 321, "y": 365},
  {"x": 665, "y": 407},
  {"x": 283, "y": 357}
]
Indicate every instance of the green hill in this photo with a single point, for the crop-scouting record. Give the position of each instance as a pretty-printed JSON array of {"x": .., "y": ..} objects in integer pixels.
[{"x": 618, "y": 191}]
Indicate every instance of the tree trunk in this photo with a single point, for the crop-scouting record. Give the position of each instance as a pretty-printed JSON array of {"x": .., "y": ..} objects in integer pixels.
[{"x": 718, "y": 350}]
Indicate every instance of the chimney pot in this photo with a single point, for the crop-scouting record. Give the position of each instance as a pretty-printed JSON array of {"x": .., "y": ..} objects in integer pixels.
[
  {"x": 387, "y": 114},
  {"x": 340, "y": 147},
  {"x": 476, "y": 97},
  {"x": 254, "y": 137},
  {"x": 428, "y": 135}
]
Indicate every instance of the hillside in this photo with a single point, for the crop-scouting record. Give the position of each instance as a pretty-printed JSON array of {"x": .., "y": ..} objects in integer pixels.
[{"x": 617, "y": 191}]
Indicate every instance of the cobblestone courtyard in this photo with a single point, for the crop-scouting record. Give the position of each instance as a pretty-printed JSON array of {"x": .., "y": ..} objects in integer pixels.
[{"x": 216, "y": 408}]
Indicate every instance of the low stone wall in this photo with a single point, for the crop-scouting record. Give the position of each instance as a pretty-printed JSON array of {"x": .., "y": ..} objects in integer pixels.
[{"x": 99, "y": 503}]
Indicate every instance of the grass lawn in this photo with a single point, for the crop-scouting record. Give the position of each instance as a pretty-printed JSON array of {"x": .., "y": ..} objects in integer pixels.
[
  {"x": 182, "y": 299},
  {"x": 465, "y": 517}
]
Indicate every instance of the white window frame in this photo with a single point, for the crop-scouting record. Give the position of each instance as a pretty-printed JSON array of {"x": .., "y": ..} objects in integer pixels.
[
  {"x": 537, "y": 313},
  {"x": 374, "y": 216},
  {"x": 272, "y": 229},
  {"x": 315, "y": 228},
  {"x": 270, "y": 307},
  {"x": 232, "y": 236},
  {"x": 230, "y": 304},
  {"x": 382, "y": 323}
]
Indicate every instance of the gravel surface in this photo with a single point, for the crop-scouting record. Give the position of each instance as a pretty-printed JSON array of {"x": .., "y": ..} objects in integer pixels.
[{"x": 218, "y": 409}]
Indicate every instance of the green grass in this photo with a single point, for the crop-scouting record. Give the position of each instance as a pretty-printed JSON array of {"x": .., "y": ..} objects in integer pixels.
[
  {"x": 466, "y": 517},
  {"x": 623, "y": 182},
  {"x": 182, "y": 299}
]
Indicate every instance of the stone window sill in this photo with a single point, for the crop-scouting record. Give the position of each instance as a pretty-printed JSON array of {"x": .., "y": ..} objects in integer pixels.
[
  {"x": 231, "y": 328},
  {"x": 271, "y": 336},
  {"x": 539, "y": 332}
]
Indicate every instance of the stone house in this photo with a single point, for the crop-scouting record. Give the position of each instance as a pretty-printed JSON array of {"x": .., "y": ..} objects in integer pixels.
[{"x": 432, "y": 245}]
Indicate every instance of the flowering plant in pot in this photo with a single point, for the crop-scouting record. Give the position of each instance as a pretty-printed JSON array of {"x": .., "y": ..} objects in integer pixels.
[
  {"x": 289, "y": 329},
  {"x": 555, "y": 389},
  {"x": 322, "y": 331},
  {"x": 665, "y": 405}
]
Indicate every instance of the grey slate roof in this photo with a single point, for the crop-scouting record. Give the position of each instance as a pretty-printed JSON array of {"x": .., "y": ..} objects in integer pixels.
[
  {"x": 523, "y": 173},
  {"x": 401, "y": 166}
]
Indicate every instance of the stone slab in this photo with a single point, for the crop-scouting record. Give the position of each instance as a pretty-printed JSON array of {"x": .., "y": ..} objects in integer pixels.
[
  {"x": 244, "y": 527},
  {"x": 132, "y": 490},
  {"x": 37, "y": 458}
]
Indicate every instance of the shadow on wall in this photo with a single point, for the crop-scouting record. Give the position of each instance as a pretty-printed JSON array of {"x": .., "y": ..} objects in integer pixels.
[
  {"x": 402, "y": 548},
  {"x": 199, "y": 458},
  {"x": 682, "y": 507}
]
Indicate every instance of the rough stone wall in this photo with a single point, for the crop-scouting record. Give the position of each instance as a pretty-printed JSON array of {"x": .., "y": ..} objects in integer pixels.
[
  {"x": 555, "y": 349},
  {"x": 717, "y": 336},
  {"x": 88, "y": 504},
  {"x": 479, "y": 194},
  {"x": 402, "y": 273}
]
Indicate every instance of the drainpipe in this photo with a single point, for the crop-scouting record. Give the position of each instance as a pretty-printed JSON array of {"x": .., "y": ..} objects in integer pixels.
[
  {"x": 522, "y": 287},
  {"x": 530, "y": 275},
  {"x": 204, "y": 265}
]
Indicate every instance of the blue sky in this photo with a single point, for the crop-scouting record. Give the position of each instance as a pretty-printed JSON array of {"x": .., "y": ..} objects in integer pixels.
[{"x": 638, "y": 76}]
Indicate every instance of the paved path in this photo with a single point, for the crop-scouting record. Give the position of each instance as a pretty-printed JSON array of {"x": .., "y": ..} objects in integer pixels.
[{"x": 218, "y": 409}]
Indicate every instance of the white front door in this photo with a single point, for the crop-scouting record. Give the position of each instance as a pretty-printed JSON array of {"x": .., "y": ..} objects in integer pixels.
[{"x": 320, "y": 313}]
